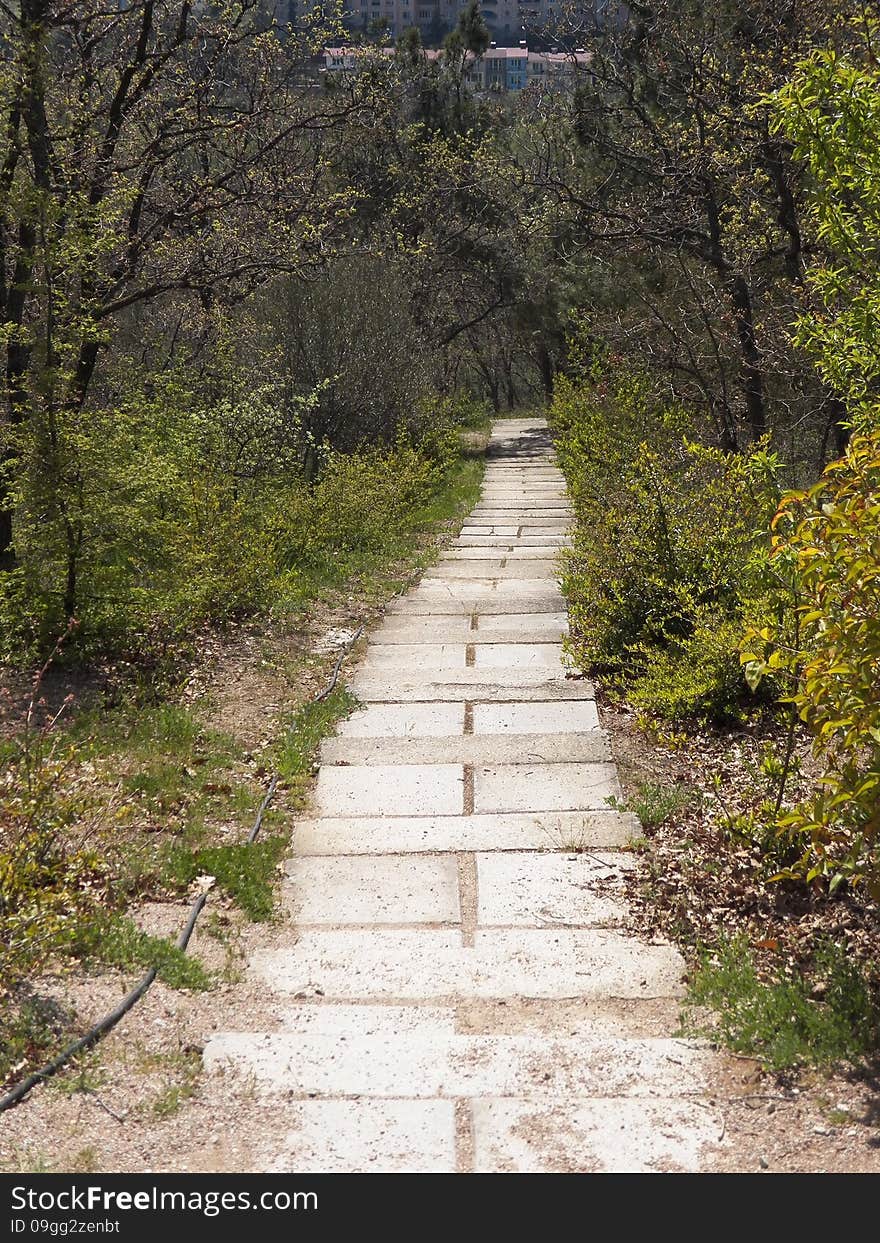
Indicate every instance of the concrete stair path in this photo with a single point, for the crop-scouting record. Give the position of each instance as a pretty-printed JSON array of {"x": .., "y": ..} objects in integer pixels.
[{"x": 455, "y": 989}]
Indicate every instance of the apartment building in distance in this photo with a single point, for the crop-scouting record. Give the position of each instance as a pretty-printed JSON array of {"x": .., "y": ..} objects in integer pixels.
[
  {"x": 499, "y": 69},
  {"x": 509, "y": 21}
]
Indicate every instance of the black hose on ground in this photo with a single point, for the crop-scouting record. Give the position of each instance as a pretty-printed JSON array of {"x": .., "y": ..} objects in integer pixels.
[{"x": 109, "y": 1021}]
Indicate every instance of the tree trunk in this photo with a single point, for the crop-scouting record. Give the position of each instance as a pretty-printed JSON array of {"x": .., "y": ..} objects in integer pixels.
[
  {"x": 546, "y": 368},
  {"x": 753, "y": 376}
]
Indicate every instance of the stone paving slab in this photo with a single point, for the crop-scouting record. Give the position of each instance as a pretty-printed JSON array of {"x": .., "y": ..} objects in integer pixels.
[
  {"x": 553, "y": 622},
  {"x": 390, "y": 790},
  {"x": 520, "y": 512},
  {"x": 436, "y": 720},
  {"x": 486, "y": 686},
  {"x": 590, "y": 747},
  {"x": 408, "y": 655},
  {"x": 460, "y": 630},
  {"x": 507, "y": 511},
  {"x": 428, "y": 628},
  {"x": 521, "y": 541},
  {"x": 379, "y": 964},
  {"x": 490, "y": 558},
  {"x": 567, "y": 719},
  {"x": 610, "y": 1135},
  {"x": 526, "y": 568},
  {"x": 375, "y": 835},
  {"x": 461, "y": 599},
  {"x": 518, "y": 587},
  {"x": 509, "y": 553},
  {"x": 451, "y": 606},
  {"x": 545, "y": 890},
  {"x": 544, "y": 787},
  {"x": 367, "y": 1137},
  {"x": 548, "y": 490},
  {"x": 396, "y": 681},
  {"x": 393, "y": 889},
  {"x": 518, "y": 656},
  {"x": 584, "y": 1018},
  {"x": 543, "y": 526},
  {"x": 519, "y": 634},
  {"x": 505, "y": 528},
  {"x": 394, "y": 1064}
]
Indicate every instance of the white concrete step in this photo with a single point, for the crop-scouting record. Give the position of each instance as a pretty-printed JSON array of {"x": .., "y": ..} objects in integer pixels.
[
  {"x": 373, "y": 835},
  {"x": 380, "y": 964},
  {"x": 483, "y": 750},
  {"x": 437, "y": 789},
  {"x": 449, "y": 604},
  {"x": 377, "y": 1053},
  {"x": 613, "y": 1135},
  {"x": 486, "y": 655},
  {"x": 471, "y": 685}
]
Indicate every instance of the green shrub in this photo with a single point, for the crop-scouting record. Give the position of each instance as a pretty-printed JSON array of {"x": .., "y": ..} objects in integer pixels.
[
  {"x": 789, "y": 1020},
  {"x": 665, "y": 558},
  {"x": 360, "y": 506},
  {"x": 699, "y": 675},
  {"x": 826, "y": 540},
  {"x": 49, "y": 883},
  {"x": 118, "y": 941},
  {"x": 829, "y": 538},
  {"x": 172, "y": 513}
]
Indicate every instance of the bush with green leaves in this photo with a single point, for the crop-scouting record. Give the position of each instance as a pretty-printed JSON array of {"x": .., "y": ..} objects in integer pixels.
[
  {"x": 826, "y": 539},
  {"x": 829, "y": 537},
  {"x": 783, "y": 1018},
  {"x": 51, "y": 881},
  {"x": 665, "y": 560},
  {"x": 177, "y": 510}
]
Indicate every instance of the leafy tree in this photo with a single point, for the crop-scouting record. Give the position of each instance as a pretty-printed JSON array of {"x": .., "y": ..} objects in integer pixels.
[
  {"x": 149, "y": 151},
  {"x": 472, "y": 29},
  {"x": 826, "y": 539},
  {"x": 687, "y": 206}
]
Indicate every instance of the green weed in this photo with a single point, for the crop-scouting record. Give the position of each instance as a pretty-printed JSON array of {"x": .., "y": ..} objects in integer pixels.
[
  {"x": 186, "y": 1067},
  {"x": 117, "y": 941},
  {"x": 303, "y": 733},
  {"x": 29, "y": 1030},
  {"x": 83, "y": 1075},
  {"x": 655, "y": 802},
  {"x": 246, "y": 872},
  {"x": 829, "y": 1017}
]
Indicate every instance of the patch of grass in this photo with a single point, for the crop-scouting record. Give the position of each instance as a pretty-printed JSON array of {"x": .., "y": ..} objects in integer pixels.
[
  {"x": 142, "y": 731},
  {"x": 303, "y": 733},
  {"x": 168, "y": 728},
  {"x": 29, "y": 1030},
  {"x": 461, "y": 492},
  {"x": 169, "y": 1101},
  {"x": 637, "y": 845},
  {"x": 83, "y": 1075},
  {"x": 26, "y": 1161},
  {"x": 246, "y": 872},
  {"x": 117, "y": 941},
  {"x": 85, "y": 1161},
  {"x": 787, "y": 1021},
  {"x": 654, "y": 802},
  {"x": 186, "y": 1067}
]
